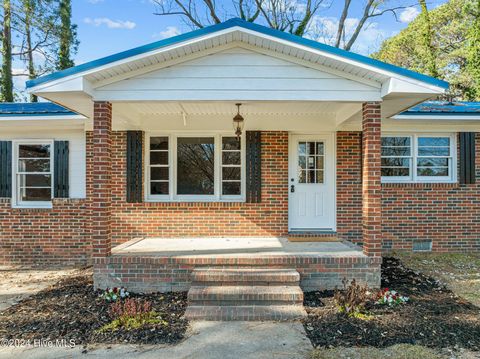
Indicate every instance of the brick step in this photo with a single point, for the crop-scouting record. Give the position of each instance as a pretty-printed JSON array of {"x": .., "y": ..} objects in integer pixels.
[
  {"x": 241, "y": 276},
  {"x": 245, "y": 295},
  {"x": 245, "y": 312}
]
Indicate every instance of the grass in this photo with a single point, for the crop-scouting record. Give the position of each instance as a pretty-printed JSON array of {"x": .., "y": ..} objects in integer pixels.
[
  {"x": 400, "y": 351},
  {"x": 459, "y": 271}
]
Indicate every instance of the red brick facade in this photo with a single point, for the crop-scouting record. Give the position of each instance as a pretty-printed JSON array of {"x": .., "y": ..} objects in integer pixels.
[{"x": 447, "y": 214}]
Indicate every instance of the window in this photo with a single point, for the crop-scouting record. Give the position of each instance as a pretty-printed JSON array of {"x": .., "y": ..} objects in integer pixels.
[
  {"x": 418, "y": 158},
  {"x": 195, "y": 168},
  {"x": 33, "y": 174},
  {"x": 310, "y": 162},
  {"x": 231, "y": 166}
]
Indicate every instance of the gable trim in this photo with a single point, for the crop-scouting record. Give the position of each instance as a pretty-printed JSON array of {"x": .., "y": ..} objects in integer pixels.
[{"x": 276, "y": 34}]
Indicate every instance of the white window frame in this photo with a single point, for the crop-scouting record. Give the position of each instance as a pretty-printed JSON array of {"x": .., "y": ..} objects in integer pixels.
[
  {"x": 172, "y": 169},
  {"x": 414, "y": 178},
  {"x": 16, "y": 202}
]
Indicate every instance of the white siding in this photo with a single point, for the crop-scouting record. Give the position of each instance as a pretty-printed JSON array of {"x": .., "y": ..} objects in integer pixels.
[
  {"x": 77, "y": 160},
  {"x": 238, "y": 74}
]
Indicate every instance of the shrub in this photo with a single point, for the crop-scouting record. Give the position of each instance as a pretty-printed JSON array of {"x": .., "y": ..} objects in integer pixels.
[
  {"x": 113, "y": 294},
  {"x": 352, "y": 299},
  {"x": 132, "y": 314}
]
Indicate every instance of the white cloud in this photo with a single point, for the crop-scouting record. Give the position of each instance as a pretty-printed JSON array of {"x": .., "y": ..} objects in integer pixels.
[
  {"x": 111, "y": 24},
  {"x": 409, "y": 14},
  {"x": 168, "y": 32}
]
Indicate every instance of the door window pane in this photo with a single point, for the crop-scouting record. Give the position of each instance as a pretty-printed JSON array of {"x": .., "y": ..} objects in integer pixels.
[
  {"x": 195, "y": 165},
  {"x": 433, "y": 158},
  {"x": 311, "y": 162}
]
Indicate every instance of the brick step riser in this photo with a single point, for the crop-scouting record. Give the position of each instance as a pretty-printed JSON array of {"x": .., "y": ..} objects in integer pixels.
[
  {"x": 233, "y": 302},
  {"x": 240, "y": 283},
  {"x": 245, "y": 314}
]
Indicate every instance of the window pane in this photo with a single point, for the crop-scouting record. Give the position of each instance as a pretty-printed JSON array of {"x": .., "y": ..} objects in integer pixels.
[
  {"x": 195, "y": 167},
  {"x": 231, "y": 188},
  {"x": 302, "y": 162},
  {"x": 395, "y": 151},
  {"x": 434, "y": 151},
  {"x": 311, "y": 148},
  {"x": 432, "y": 171},
  {"x": 319, "y": 177},
  {"x": 230, "y": 143},
  {"x": 35, "y": 194},
  {"x": 159, "y": 173},
  {"x": 319, "y": 162},
  {"x": 395, "y": 162},
  {"x": 395, "y": 172},
  {"x": 434, "y": 141},
  {"x": 34, "y": 165},
  {"x": 231, "y": 173},
  {"x": 302, "y": 176},
  {"x": 301, "y": 148},
  {"x": 320, "y": 148},
  {"x": 311, "y": 162},
  {"x": 311, "y": 176},
  {"x": 159, "y": 187},
  {"x": 159, "y": 143},
  {"x": 159, "y": 158},
  {"x": 35, "y": 181},
  {"x": 231, "y": 158},
  {"x": 396, "y": 141},
  {"x": 432, "y": 162},
  {"x": 34, "y": 151}
]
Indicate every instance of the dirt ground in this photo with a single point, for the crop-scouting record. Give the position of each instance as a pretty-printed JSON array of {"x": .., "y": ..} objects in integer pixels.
[
  {"x": 460, "y": 272},
  {"x": 17, "y": 283}
]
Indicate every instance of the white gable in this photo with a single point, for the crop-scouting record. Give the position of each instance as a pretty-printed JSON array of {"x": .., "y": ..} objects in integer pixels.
[{"x": 239, "y": 74}]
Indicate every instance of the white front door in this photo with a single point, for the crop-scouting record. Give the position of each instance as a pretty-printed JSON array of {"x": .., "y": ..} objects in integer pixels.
[{"x": 311, "y": 183}]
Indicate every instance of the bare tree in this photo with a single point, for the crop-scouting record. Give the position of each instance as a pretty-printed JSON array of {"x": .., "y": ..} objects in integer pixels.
[{"x": 293, "y": 16}]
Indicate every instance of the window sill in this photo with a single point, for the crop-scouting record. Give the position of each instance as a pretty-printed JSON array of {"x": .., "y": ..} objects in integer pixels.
[
  {"x": 193, "y": 201},
  {"x": 48, "y": 205}
]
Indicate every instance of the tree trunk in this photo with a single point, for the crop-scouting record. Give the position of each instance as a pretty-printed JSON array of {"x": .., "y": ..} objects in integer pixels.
[
  {"x": 427, "y": 37},
  {"x": 28, "y": 7},
  {"x": 66, "y": 35},
  {"x": 6, "y": 81}
]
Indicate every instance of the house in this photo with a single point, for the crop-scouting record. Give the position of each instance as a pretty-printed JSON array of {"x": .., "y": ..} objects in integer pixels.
[{"x": 225, "y": 146}]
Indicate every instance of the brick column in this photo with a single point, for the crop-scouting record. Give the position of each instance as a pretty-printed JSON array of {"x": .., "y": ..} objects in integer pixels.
[
  {"x": 101, "y": 180},
  {"x": 371, "y": 179}
]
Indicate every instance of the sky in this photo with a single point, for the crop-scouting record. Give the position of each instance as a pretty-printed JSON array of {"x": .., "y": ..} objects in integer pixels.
[{"x": 106, "y": 27}]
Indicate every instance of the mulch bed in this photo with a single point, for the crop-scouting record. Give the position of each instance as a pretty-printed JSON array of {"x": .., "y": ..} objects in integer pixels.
[
  {"x": 72, "y": 310},
  {"x": 434, "y": 317}
]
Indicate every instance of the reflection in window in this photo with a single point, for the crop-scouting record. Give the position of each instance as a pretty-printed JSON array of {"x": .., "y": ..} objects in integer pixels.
[
  {"x": 159, "y": 166},
  {"x": 396, "y": 156},
  {"x": 231, "y": 166},
  {"x": 195, "y": 165},
  {"x": 433, "y": 156}
]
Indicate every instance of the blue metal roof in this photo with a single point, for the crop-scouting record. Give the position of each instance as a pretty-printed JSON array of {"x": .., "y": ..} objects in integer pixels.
[
  {"x": 246, "y": 25},
  {"x": 444, "y": 108},
  {"x": 10, "y": 109}
]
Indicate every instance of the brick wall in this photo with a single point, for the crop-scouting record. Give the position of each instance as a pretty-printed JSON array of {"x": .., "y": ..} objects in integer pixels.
[
  {"x": 268, "y": 218},
  {"x": 44, "y": 236}
]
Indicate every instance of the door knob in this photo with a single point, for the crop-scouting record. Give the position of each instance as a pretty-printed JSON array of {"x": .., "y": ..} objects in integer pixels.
[{"x": 292, "y": 188}]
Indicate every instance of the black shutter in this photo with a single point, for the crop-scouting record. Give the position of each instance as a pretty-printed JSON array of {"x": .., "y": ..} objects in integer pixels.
[
  {"x": 467, "y": 157},
  {"x": 253, "y": 166},
  {"x": 61, "y": 163},
  {"x": 5, "y": 169},
  {"x": 134, "y": 166}
]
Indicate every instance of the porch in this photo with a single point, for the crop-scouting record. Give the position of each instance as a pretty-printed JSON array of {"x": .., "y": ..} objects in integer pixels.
[{"x": 166, "y": 264}]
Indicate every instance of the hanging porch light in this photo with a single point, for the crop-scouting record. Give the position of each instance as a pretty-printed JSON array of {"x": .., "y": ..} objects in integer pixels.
[{"x": 238, "y": 122}]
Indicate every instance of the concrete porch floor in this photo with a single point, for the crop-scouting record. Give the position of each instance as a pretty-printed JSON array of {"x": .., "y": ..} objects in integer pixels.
[{"x": 238, "y": 247}]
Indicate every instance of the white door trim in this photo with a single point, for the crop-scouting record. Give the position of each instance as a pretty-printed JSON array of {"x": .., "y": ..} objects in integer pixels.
[{"x": 332, "y": 157}]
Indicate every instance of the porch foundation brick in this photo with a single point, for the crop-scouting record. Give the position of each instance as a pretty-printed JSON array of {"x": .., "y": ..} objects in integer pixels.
[
  {"x": 100, "y": 195},
  {"x": 371, "y": 179},
  {"x": 162, "y": 274}
]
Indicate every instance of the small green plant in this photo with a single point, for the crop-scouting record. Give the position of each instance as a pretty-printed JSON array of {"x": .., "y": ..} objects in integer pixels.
[
  {"x": 132, "y": 314},
  {"x": 114, "y": 294},
  {"x": 390, "y": 298},
  {"x": 352, "y": 299}
]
